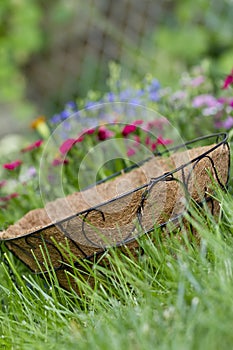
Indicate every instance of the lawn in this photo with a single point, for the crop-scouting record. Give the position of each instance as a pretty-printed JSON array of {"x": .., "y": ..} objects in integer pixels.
[{"x": 176, "y": 295}]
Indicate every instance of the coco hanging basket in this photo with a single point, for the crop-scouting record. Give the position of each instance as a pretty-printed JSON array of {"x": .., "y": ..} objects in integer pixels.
[{"x": 117, "y": 210}]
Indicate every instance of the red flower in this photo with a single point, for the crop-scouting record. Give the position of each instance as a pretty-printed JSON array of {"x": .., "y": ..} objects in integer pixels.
[
  {"x": 58, "y": 161},
  {"x": 104, "y": 133},
  {"x": 128, "y": 129},
  {"x": 9, "y": 197},
  {"x": 228, "y": 81},
  {"x": 148, "y": 140},
  {"x": 32, "y": 146},
  {"x": 89, "y": 131},
  {"x": 12, "y": 165},
  {"x": 68, "y": 144},
  {"x": 153, "y": 146}
]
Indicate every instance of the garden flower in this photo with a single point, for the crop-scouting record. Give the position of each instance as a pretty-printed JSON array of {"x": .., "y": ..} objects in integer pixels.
[
  {"x": 128, "y": 129},
  {"x": 153, "y": 146},
  {"x": 153, "y": 90},
  {"x": 27, "y": 175},
  {"x": 228, "y": 123},
  {"x": 138, "y": 122},
  {"x": 110, "y": 97},
  {"x": 137, "y": 139},
  {"x": 55, "y": 119},
  {"x": 147, "y": 141},
  {"x": 12, "y": 165},
  {"x": 197, "y": 81},
  {"x": 71, "y": 105},
  {"x": 68, "y": 144},
  {"x": 2, "y": 183},
  {"x": 59, "y": 161},
  {"x": 228, "y": 80},
  {"x": 131, "y": 152},
  {"x": 104, "y": 133},
  {"x": 9, "y": 197},
  {"x": 65, "y": 114},
  {"x": 89, "y": 131},
  {"x": 40, "y": 125},
  {"x": 205, "y": 100},
  {"x": 32, "y": 146},
  {"x": 162, "y": 141}
]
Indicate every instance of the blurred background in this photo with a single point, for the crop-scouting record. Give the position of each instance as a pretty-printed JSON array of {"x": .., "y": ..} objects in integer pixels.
[{"x": 55, "y": 51}]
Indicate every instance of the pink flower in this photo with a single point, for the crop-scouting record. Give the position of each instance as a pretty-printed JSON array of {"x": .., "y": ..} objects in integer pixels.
[
  {"x": 12, "y": 165},
  {"x": 197, "y": 81},
  {"x": 131, "y": 152},
  {"x": 32, "y": 146},
  {"x": 104, "y": 133},
  {"x": 148, "y": 140},
  {"x": 9, "y": 197},
  {"x": 128, "y": 129},
  {"x": 205, "y": 100},
  {"x": 2, "y": 183},
  {"x": 138, "y": 122},
  {"x": 228, "y": 80},
  {"x": 68, "y": 144},
  {"x": 137, "y": 140},
  {"x": 89, "y": 131},
  {"x": 162, "y": 141},
  {"x": 228, "y": 123}
]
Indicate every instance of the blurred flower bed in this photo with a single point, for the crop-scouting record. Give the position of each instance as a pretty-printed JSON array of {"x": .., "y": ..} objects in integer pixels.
[{"x": 200, "y": 106}]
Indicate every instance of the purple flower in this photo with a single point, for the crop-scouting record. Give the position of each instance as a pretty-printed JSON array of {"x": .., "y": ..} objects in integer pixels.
[
  {"x": 155, "y": 86},
  {"x": 55, "y": 119},
  {"x": 65, "y": 114},
  {"x": 197, "y": 81},
  {"x": 71, "y": 105},
  {"x": 205, "y": 100},
  {"x": 110, "y": 97},
  {"x": 125, "y": 95},
  {"x": 153, "y": 90},
  {"x": 209, "y": 111},
  {"x": 91, "y": 104},
  {"x": 154, "y": 96},
  {"x": 228, "y": 123},
  {"x": 179, "y": 95}
]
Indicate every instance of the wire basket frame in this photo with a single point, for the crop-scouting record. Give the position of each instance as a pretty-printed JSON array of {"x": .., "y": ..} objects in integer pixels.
[{"x": 121, "y": 220}]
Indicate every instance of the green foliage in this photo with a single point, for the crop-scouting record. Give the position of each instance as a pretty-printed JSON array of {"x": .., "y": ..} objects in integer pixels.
[
  {"x": 20, "y": 36},
  {"x": 176, "y": 43},
  {"x": 192, "y": 31}
]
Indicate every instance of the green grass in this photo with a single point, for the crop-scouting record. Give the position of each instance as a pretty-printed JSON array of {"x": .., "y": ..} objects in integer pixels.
[{"x": 176, "y": 295}]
